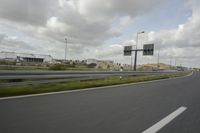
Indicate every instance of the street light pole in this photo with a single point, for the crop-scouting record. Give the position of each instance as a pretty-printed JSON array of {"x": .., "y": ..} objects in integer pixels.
[
  {"x": 66, "y": 50},
  {"x": 131, "y": 61},
  {"x": 158, "y": 60},
  {"x": 170, "y": 61},
  {"x": 175, "y": 62},
  {"x": 135, "y": 62}
]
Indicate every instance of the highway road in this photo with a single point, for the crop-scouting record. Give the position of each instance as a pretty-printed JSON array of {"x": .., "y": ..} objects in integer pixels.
[{"x": 167, "y": 106}]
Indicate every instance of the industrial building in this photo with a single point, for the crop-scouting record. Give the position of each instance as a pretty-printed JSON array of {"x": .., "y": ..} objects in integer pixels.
[
  {"x": 25, "y": 57},
  {"x": 90, "y": 61}
]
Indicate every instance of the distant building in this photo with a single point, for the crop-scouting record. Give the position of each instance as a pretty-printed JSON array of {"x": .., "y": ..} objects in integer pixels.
[
  {"x": 181, "y": 68},
  {"x": 24, "y": 57},
  {"x": 90, "y": 61},
  {"x": 106, "y": 61}
]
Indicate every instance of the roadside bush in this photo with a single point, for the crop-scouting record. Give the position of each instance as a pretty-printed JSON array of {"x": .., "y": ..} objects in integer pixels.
[
  {"x": 58, "y": 67},
  {"x": 61, "y": 66},
  {"x": 92, "y": 65}
]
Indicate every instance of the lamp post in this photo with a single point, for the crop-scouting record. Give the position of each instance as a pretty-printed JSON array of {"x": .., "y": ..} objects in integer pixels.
[
  {"x": 66, "y": 50},
  {"x": 135, "y": 62},
  {"x": 175, "y": 62},
  {"x": 158, "y": 59}
]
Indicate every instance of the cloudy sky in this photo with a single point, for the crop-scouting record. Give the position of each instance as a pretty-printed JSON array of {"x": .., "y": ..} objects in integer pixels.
[{"x": 101, "y": 28}]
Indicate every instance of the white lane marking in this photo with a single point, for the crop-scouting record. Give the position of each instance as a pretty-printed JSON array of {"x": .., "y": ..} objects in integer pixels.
[
  {"x": 155, "y": 128},
  {"x": 89, "y": 89}
]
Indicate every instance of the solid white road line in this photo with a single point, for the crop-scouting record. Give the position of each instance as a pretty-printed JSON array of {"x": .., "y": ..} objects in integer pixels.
[{"x": 155, "y": 128}]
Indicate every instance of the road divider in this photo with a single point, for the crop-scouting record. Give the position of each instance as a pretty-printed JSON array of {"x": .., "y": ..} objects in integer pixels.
[
  {"x": 8, "y": 78},
  {"x": 6, "y": 91}
]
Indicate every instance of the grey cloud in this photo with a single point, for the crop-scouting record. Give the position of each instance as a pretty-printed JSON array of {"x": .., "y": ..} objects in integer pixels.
[
  {"x": 84, "y": 30},
  {"x": 32, "y": 12},
  {"x": 111, "y": 51},
  {"x": 2, "y": 37},
  {"x": 181, "y": 43},
  {"x": 14, "y": 45},
  {"x": 88, "y": 24},
  {"x": 185, "y": 36},
  {"x": 94, "y": 31},
  {"x": 104, "y": 8}
]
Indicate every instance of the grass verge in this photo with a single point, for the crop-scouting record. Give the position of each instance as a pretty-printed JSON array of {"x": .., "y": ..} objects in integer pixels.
[{"x": 73, "y": 85}]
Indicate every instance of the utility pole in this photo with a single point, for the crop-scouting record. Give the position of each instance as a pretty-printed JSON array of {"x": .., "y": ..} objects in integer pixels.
[
  {"x": 170, "y": 61},
  {"x": 131, "y": 62},
  {"x": 66, "y": 50},
  {"x": 135, "y": 62},
  {"x": 158, "y": 60},
  {"x": 175, "y": 62}
]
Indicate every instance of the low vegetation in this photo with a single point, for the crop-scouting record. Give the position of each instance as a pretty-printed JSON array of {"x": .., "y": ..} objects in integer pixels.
[
  {"x": 58, "y": 67},
  {"x": 75, "y": 67},
  {"x": 72, "y": 85}
]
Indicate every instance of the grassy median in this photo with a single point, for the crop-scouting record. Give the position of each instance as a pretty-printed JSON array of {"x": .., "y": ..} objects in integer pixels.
[{"x": 73, "y": 85}]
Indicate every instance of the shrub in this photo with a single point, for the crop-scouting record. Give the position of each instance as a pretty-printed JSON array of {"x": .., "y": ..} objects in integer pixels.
[
  {"x": 58, "y": 67},
  {"x": 92, "y": 65}
]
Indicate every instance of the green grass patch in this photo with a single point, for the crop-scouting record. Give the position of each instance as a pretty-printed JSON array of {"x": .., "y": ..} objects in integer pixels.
[{"x": 73, "y": 85}]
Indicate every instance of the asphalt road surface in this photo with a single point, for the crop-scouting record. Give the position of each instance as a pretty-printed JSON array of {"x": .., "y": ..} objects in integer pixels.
[{"x": 168, "y": 106}]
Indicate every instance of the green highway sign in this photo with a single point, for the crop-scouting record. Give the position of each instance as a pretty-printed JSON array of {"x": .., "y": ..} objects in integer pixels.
[
  {"x": 148, "y": 49},
  {"x": 127, "y": 50}
]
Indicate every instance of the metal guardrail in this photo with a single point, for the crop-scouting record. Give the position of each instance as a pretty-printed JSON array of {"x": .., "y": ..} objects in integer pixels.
[
  {"x": 14, "y": 72},
  {"x": 65, "y": 74},
  {"x": 15, "y": 66},
  {"x": 38, "y": 77}
]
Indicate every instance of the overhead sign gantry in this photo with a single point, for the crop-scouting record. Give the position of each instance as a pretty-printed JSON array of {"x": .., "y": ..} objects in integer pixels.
[{"x": 148, "y": 50}]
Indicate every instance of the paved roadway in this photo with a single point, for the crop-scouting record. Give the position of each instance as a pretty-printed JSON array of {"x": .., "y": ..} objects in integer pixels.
[{"x": 122, "y": 109}]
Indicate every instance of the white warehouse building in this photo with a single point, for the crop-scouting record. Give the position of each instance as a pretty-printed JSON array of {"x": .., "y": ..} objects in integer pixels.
[
  {"x": 24, "y": 57},
  {"x": 90, "y": 61}
]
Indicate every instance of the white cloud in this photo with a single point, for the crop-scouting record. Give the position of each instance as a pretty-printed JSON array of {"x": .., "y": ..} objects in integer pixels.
[
  {"x": 89, "y": 24},
  {"x": 10, "y": 43},
  {"x": 110, "y": 8},
  {"x": 125, "y": 21},
  {"x": 77, "y": 19},
  {"x": 181, "y": 43}
]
